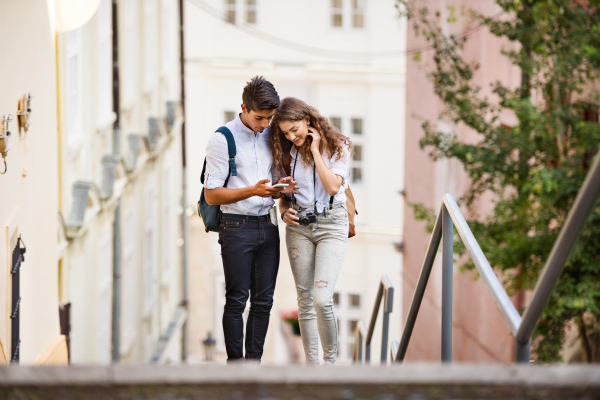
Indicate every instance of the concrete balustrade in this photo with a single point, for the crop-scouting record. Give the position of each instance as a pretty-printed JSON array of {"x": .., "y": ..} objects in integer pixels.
[{"x": 420, "y": 381}]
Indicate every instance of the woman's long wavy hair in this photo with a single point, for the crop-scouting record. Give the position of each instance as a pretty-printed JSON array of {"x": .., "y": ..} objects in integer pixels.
[{"x": 292, "y": 109}]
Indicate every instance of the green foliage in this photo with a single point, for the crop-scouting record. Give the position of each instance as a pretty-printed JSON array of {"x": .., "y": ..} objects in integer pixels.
[{"x": 535, "y": 168}]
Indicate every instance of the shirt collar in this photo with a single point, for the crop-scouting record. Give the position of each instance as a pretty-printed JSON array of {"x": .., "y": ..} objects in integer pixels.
[{"x": 243, "y": 127}]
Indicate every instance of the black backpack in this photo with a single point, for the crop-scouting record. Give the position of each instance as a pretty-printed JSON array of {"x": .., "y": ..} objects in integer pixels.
[{"x": 211, "y": 215}]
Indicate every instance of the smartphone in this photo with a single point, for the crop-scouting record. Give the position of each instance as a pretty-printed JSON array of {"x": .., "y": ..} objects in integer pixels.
[{"x": 281, "y": 185}]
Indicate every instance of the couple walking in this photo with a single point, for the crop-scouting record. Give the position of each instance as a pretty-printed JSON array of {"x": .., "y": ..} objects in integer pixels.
[{"x": 285, "y": 142}]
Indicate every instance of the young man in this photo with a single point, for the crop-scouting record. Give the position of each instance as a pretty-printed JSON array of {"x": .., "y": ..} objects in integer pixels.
[{"x": 249, "y": 242}]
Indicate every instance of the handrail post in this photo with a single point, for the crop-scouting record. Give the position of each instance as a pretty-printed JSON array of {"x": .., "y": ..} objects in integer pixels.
[
  {"x": 447, "y": 271},
  {"x": 522, "y": 352},
  {"x": 415, "y": 305},
  {"x": 388, "y": 305}
]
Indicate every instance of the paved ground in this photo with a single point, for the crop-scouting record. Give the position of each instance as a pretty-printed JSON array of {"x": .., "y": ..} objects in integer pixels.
[{"x": 413, "y": 382}]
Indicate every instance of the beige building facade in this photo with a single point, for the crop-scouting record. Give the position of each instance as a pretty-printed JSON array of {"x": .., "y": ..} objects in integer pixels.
[
  {"x": 28, "y": 189},
  {"x": 120, "y": 174}
]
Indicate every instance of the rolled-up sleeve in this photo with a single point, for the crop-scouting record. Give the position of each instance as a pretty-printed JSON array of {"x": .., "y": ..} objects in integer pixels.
[
  {"x": 341, "y": 167},
  {"x": 217, "y": 161}
]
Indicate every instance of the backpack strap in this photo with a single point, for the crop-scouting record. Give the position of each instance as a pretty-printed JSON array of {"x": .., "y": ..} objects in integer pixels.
[{"x": 231, "y": 149}]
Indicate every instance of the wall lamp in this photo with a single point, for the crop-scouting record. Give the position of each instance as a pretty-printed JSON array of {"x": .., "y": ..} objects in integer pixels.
[
  {"x": 4, "y": 135},
  {"x": 24, "y": 112}
]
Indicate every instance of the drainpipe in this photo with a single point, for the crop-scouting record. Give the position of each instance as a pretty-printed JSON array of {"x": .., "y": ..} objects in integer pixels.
[
  {"x": 184, "y": 224},
  {"x": 116, "y": 298},
  {"x": 59, "y": 124}
]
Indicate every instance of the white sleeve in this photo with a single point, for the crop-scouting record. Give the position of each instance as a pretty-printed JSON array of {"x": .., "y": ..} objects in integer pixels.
[
  {"x": 217, "y": 161},
  {"x": 341, "y": 167}
]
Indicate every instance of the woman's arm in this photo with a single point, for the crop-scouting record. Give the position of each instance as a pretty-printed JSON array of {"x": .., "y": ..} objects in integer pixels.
[
  {"x": 289, "y": 217},
  {"x": 330, "y": 180}
]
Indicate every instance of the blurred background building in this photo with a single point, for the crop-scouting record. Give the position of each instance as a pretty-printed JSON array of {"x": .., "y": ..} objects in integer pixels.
[
  {"x": 94, "y": 186},
  {"x": 103, "y": 173},
  {"x": 345, "y": 57},
  {"x": 29, "y": 323},
  {"x": 120, "y": 170}
]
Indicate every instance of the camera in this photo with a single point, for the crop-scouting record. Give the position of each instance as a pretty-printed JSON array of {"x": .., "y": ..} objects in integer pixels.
[{"x": 306, "y": 219}]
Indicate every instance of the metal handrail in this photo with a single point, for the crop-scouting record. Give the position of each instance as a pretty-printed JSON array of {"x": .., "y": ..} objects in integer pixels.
[
  {"x": 449, "y": 215},
  {"x": 522, "y": 328},
  {"x": 385, "y": 293},
  {"x": 359, "y": 338},
  {"x": 569, "y": 232}
]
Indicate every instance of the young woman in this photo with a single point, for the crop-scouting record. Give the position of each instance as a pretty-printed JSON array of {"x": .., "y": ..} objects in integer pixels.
[{"x": 306, "y": 146}]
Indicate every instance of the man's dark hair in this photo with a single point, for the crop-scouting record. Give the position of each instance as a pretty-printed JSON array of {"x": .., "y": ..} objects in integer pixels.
[{"x": 260, "y": 94}]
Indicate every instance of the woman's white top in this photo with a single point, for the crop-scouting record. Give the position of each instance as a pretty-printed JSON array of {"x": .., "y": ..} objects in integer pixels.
[{"x": 303, "y": 174}]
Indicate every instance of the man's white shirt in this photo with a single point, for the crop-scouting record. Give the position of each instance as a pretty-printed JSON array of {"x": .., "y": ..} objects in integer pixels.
[{"x": 253, "y": 161}]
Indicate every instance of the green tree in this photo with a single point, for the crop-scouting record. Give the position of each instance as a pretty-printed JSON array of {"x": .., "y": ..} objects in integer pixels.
[{"x": 535, "y": 168}]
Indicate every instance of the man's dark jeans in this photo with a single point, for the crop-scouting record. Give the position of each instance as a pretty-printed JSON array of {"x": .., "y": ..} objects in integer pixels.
[{"x": 250, "y": 251}]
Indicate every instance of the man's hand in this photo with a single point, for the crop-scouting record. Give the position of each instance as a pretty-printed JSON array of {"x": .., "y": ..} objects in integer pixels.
[
  {"x": 292, "y": 185},
  {"x": 290, "y": 217},
  {"x": 261, "y": 189}
]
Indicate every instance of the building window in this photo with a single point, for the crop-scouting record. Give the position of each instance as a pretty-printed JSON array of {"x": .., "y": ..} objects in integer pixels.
[
  {"x": 357, "y": 126},
  {"x": 104, "y": 60},
  {"x": 590, "y": 113},
  {"x": 230, "y": 11},
  {"x": 347, "y": 13},
  {"x": 356, "y": 136},
  {"x": 251, "y": 12},
  {"x": 337, "y": 11},
  {"x": 150, "y": 44},
  {"x": 358, "y": 13},
  {"x": 229, "y": 116},
  {"x": 73, "y": 81},
  {"x": 348, "y": 312},
  {"x": 337, "y": 122},
  {"x": 130, "y": 52}
]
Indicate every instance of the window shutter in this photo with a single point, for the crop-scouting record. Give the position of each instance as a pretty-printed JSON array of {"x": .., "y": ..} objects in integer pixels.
[{"x": 17, "y": 259}]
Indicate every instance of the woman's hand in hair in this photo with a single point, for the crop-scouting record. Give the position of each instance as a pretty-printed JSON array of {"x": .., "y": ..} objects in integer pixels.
[
  {"x": 316, "y": 140},
  {"x": 290, "y": 217}
]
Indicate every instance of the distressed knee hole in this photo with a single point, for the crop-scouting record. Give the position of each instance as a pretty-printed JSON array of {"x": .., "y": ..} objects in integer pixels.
[
  {"x": 305, "y": 294},
  {"x": 321, "y": 284},
  {"x": 294, "y": 253}
]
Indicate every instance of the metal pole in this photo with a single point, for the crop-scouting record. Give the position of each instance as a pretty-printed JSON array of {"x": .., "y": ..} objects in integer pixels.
[
  {"x": 372, "y": 322},
  {"x": 522, "y": 353},
  {"x": 447, "y": 270},
  {"x": 560, "y": 252},
  {"x": 387, "y": 309},
  {"x": 411, "y": 318},
  {"x": 184, "y": 225},
  {"x": 116, "y": 296},
  {"x": 384, "y": 337},
  {"x": 116, "y": 306}
]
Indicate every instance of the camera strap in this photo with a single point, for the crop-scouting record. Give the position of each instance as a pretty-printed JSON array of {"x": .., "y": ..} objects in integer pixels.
[{"x": 314, "y": 184}]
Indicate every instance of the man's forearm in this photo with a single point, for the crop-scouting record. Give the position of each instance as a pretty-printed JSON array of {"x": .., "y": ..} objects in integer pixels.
[{"x": 222, "y": 196}]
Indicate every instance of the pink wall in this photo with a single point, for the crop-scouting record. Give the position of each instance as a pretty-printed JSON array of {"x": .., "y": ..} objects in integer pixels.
[{"x": 479, "y": 332}]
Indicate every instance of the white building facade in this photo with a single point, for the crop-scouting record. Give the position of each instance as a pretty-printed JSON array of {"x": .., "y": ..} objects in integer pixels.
[
  {"x": 29, "y": 323},
  {"x": 345, "y": 58},
  {"x": 120, "y": 184}
]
